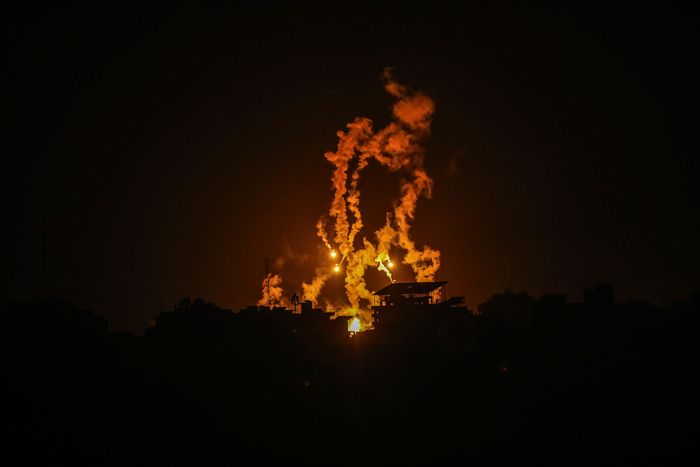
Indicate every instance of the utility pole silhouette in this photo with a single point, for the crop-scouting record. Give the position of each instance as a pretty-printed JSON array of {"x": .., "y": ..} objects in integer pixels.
[{"x": 43, "y": 244}]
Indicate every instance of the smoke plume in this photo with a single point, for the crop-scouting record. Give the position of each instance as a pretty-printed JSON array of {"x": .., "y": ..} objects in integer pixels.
[
  {"x": 398, "y": 148},
  {"x": 272, "y": 284}
]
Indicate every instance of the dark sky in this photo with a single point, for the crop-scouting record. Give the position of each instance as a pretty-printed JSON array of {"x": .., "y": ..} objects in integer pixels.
[{"x": 178, "y": 146}]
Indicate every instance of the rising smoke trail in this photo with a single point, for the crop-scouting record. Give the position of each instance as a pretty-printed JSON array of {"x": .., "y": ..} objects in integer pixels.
[
  {"x": 396, "y": 147},
  {"x": 313, "y": 290}
]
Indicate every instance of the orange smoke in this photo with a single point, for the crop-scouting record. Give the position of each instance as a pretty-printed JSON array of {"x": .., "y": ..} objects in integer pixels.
[
  {"x": 321, "y": 232},
  {"x": 313, "y": 290},
  {"x": 275, "y": 292},
  {"x": 396, "y": 147}
]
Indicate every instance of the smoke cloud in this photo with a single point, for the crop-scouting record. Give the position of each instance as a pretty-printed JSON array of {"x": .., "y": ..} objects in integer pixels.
[
  {"x": 288, "y": 256},
  {"x": 397, "y": 147},
  {"x": 275, "y": 292}
]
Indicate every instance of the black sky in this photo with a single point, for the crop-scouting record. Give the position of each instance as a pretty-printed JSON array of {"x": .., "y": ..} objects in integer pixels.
[{"x": 179, "y": 145}]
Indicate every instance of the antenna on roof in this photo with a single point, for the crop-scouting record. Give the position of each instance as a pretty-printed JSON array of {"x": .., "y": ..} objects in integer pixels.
[{"x": 295, "y": 301}]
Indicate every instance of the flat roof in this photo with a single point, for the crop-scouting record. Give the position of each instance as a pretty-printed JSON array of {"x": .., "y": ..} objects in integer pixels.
[{"x": 403, "y": 288}]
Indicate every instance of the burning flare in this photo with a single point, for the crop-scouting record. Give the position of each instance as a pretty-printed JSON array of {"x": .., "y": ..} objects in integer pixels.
[{"x": 397, "y": 148}]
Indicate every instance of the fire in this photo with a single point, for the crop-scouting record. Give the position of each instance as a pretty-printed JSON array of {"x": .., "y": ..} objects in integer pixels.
[
  {"x": 355, "y": 326},
  {"x": 397, "y": 148}
]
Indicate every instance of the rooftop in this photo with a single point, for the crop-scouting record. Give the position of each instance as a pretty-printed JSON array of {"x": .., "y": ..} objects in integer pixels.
[{"x": 410, "y": 288}]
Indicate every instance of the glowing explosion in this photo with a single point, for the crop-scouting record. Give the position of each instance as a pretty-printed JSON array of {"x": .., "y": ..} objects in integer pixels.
[{"x": 396, "y": 147}]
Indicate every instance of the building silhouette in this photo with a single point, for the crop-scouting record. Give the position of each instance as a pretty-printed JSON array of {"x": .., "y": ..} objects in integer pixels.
[
  {"x": 414, "y": 313},
  {"x": 597, "y": 377}
]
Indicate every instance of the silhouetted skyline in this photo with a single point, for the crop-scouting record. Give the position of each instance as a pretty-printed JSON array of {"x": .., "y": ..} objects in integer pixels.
[
  {"x": 178, "y": 146},
  {"x": 522, "y": 379}
]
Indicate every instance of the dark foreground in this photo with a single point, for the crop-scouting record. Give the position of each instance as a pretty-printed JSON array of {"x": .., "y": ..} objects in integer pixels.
[{"x": 622, "y": 391}]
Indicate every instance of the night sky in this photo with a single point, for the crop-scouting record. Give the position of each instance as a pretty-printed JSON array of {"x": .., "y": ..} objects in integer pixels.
[{"x": 178, "y": 146}]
